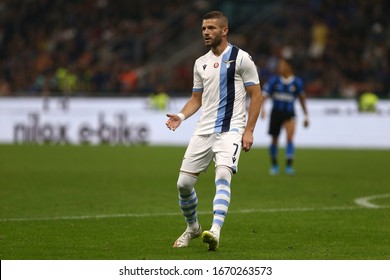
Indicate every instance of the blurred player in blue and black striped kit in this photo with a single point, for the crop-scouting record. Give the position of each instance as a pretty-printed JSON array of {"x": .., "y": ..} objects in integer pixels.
[{"x": 284, "y": 89}]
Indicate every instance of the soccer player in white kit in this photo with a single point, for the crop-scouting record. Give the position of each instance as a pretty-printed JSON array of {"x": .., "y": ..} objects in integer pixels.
[{"x": 223, "y": 78}]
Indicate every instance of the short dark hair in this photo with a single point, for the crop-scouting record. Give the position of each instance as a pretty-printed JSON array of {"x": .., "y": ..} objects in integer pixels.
[
  {"x": 290, "y": 61},
  {"x": 217, "y": 15}
]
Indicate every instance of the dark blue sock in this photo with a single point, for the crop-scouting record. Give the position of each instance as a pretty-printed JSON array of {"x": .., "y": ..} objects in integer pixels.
[
  {"x": 273, "y": 151},
  {"x": 290, "y": 151}
]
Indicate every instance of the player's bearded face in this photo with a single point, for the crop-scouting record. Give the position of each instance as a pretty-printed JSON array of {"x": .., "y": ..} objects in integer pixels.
[{"x": 212, "y": 33}]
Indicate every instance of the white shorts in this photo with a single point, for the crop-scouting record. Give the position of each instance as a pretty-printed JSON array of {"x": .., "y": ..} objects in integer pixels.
[{"x": 224, "y": 148}]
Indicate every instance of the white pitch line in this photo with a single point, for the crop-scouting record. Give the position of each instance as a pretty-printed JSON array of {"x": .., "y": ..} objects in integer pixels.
[
  {"x": 365, "y": 201},
  {"x": 134, "y": 215}
]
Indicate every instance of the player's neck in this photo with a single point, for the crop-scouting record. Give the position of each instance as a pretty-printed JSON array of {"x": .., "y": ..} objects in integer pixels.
[
  {"x": 287, "y": 78},
  {"x": 287, "y": 75},
  {"x": 217, "y": 51}
]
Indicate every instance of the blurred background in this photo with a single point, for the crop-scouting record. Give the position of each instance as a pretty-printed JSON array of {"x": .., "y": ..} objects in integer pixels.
[
  {"x": 133, "y": 48},
  {"x": 87, "y": 72}
]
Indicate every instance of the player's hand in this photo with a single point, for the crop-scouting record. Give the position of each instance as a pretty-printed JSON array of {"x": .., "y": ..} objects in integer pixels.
[
  {"x": 247, "y": 141},
  {"x": 173, "y": 122},
  {"x": 306, "y": 122}
]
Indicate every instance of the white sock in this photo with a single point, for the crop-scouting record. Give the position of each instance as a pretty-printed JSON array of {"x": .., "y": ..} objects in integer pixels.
[
  {"x": 216, "y": 229},
  {"x": 193, "y": 226},
  {"x": 188, "y": 199},
  {"x": 223, "y": 176}
]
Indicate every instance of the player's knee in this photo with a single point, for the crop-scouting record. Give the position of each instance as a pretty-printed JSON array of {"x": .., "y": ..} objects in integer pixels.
[
  {"x": 186, "y": 182},
  {"x": 223, "y": 172}
]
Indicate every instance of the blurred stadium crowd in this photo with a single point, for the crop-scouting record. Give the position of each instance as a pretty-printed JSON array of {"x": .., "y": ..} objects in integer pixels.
[{"x": 126, "y": 48}]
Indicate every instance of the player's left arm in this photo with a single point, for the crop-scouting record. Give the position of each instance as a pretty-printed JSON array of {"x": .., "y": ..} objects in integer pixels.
[
  {"x": 256, "y": 101},
  {"x": 302, "y": 101},
  {"x": 250, "y": 77}
]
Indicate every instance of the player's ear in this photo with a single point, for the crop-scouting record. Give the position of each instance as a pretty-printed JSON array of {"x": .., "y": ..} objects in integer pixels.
[{"x": 225, "y": 31}]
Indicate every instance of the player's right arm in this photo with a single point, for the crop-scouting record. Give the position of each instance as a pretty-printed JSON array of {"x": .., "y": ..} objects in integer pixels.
[
  {"x": 190, "y": 108},
  {"x": 263, "y": 113},
  {"x": 266, "y": 92}
]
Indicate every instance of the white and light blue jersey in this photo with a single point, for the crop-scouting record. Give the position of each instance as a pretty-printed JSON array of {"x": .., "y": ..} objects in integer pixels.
[{"x": 222, "y": 81}]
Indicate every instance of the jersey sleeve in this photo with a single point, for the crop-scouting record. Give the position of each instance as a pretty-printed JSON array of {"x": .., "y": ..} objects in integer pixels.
[
  {"x": 248, "y": 70},
  {"x": 300, "y": 89},
  {"x": 268, "y": 86},
  {"x": 198, "y": 84}
]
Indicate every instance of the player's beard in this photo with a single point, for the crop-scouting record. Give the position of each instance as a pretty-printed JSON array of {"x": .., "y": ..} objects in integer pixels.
[{"x": 213, "y": 43}]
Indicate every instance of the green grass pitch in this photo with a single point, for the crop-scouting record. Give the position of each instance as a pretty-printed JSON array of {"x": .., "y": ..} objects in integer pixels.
[{"x": 120, "y": 203}]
